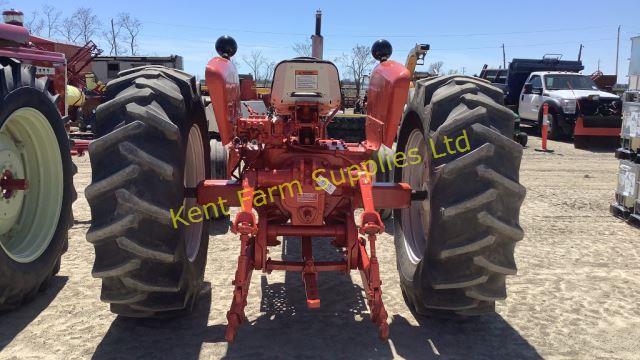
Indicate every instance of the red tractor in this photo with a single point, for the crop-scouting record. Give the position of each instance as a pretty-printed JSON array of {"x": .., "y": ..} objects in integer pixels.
[
  {"x": 456, "y": 216},
  {"x": 36, "y": 171}
]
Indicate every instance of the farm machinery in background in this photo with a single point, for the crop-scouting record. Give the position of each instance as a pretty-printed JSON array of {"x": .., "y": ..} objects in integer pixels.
[
  {"x": 627, "y": 196},
  {"x": 578, "y": 109},
  {"x": 36, "y": 171},
  {"x": 81, "y": 94},
  {"x": 603, "y": 81},
  {"x": 151, "y": 173}
]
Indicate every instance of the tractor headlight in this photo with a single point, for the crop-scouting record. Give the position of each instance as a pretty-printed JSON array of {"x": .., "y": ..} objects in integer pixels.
[{"x": 569, "y": 106}]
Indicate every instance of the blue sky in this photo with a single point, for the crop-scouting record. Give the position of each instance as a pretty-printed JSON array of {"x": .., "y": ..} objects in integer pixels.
[{"x": 461, "y": 33}]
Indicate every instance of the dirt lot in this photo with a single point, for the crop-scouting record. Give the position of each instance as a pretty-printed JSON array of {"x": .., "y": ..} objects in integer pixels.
[{"x": 576, "y": 294}]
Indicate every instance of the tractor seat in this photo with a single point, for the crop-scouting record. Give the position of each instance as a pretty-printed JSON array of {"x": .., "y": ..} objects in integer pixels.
[{"x": 305, "y": 80}]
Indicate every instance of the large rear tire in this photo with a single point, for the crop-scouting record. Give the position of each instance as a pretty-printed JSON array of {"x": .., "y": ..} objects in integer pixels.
[
  {"x": 34, "y": 223},
  {"x": 455, "y": 249},
  {"x": 152, "y": 144}
]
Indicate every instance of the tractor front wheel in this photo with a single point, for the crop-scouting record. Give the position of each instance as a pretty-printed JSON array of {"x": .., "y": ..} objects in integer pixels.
[
  {"x": 455, "y": 249},
  {"x": 36, "y": 185},
  {"x": 152, "y": 145},
  {"x": 219, "y": 162},
  {"x": 384, "y": 158}
]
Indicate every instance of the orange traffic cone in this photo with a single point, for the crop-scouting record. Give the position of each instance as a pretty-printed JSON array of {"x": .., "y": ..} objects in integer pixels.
[{"x": 545, "y": 128}]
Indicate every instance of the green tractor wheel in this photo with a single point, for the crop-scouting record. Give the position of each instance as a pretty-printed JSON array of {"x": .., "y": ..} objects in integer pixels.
[{"x": 36, "y": 183}]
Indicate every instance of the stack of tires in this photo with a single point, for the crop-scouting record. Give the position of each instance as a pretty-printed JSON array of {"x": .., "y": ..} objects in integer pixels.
[{"x": 627, "y": 204}]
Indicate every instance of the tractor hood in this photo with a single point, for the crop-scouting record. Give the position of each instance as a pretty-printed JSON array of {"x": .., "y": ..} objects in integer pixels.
[
  {"x": 17, "y": 34},
  {"x": 579, "y": 94}
]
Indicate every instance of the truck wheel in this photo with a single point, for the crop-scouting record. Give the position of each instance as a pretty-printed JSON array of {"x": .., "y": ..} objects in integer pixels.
[
  {"x": 554, "y": 131},
  {"x": 455, "y": 249},
  {"x": 34, "y": 222},
  {"x": 581, "y": 142},
  {"x": 152, "y": 144}
]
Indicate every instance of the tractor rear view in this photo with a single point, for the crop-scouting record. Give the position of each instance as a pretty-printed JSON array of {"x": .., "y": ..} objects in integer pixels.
[
  {"x": 455, "y": 215},
  {"x": 36, "y": 185}
]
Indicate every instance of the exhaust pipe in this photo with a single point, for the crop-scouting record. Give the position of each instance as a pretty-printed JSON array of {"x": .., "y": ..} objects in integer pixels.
[{"x": 316, "y": 39}]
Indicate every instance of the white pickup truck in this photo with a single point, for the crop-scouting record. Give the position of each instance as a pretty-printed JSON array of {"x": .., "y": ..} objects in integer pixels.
[{"x": 576, "y": 106}]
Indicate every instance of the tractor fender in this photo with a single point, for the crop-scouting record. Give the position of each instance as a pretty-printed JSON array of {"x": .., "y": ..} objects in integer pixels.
[
  {"x": 388, "y": 91},
  {"x": 223, "y": 82}
]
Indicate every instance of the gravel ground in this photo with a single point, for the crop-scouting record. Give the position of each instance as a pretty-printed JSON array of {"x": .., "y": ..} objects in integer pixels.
[{"x": 576, "y": 294}]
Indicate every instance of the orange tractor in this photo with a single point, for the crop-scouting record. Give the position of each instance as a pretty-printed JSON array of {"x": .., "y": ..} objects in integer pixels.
[{"x": 455, "y": 216}]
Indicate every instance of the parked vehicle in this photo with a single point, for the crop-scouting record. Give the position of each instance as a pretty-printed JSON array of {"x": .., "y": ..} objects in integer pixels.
[
  {"x": 577, "y": 107},
  {"x": 627, "y": 199}
]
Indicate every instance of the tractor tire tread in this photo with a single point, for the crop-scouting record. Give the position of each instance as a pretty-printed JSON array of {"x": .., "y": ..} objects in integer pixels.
[
  {"x": 139, "y": 254},
  {"x": 463, "y": 270}
]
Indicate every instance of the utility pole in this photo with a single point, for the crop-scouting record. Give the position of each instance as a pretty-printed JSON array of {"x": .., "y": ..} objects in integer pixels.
[
  {"x": 504, "y": 58},
  {"x": 598, "y": 65},
  {"x": 618, "y": 50},
  {"x": 115, "y": 41},
  {"x": 463, "y": 69},
  {"x": 580, "y": 53}
]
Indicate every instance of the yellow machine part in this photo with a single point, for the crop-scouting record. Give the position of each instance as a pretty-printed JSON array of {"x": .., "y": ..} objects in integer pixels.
[
  {"x": 263, "y": 90},
  {"x": 90, "y": 80},
  {"x": 74, "y": 96}
]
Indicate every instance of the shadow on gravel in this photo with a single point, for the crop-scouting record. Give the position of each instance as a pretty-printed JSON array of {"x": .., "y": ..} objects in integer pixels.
[
  {"x": 486, "y": 337},
  {"x": 341, "y": 328},
  {"x": 173, "y": 338},
  {"x": 14, "y": 321}
]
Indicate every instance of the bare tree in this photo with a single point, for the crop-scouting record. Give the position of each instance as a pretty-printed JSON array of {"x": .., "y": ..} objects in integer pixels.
[
  {"x": 132, "y": 27},
  {"x": 234, "y": 61},
  {"x": 269, "y": 68},
  {"x": 255, "y": 62},
  {"x": 302, "y": 49},
  {"x": 113, "y": 37},
  {"x": 434, "y": 68},
  {"x": 69, "y": 30},
  {"x": 52, "y": 20},
  {"x": 358, "y": 64},
  {"x": 452, "y": 72},
  {"x": 88, "y": 23},
  {"x": 34, "y": 23}
]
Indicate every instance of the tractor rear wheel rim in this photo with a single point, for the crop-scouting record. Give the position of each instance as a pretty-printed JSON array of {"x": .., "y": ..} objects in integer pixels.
[
  {"x": 416, "y": 218},
  {"x": 194, "y": 172},
  {"x": 29, "y": 149}
]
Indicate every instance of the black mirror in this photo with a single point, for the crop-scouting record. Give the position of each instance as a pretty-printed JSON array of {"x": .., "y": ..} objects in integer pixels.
[
  {"x": 537, "y": 91},
  {"x": 527, "y": 88}
]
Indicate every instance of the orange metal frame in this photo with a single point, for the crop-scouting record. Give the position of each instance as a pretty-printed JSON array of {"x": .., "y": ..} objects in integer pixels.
[
  {"x": 581, "y": 130},
  {"x": 267, "y": 153}
]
